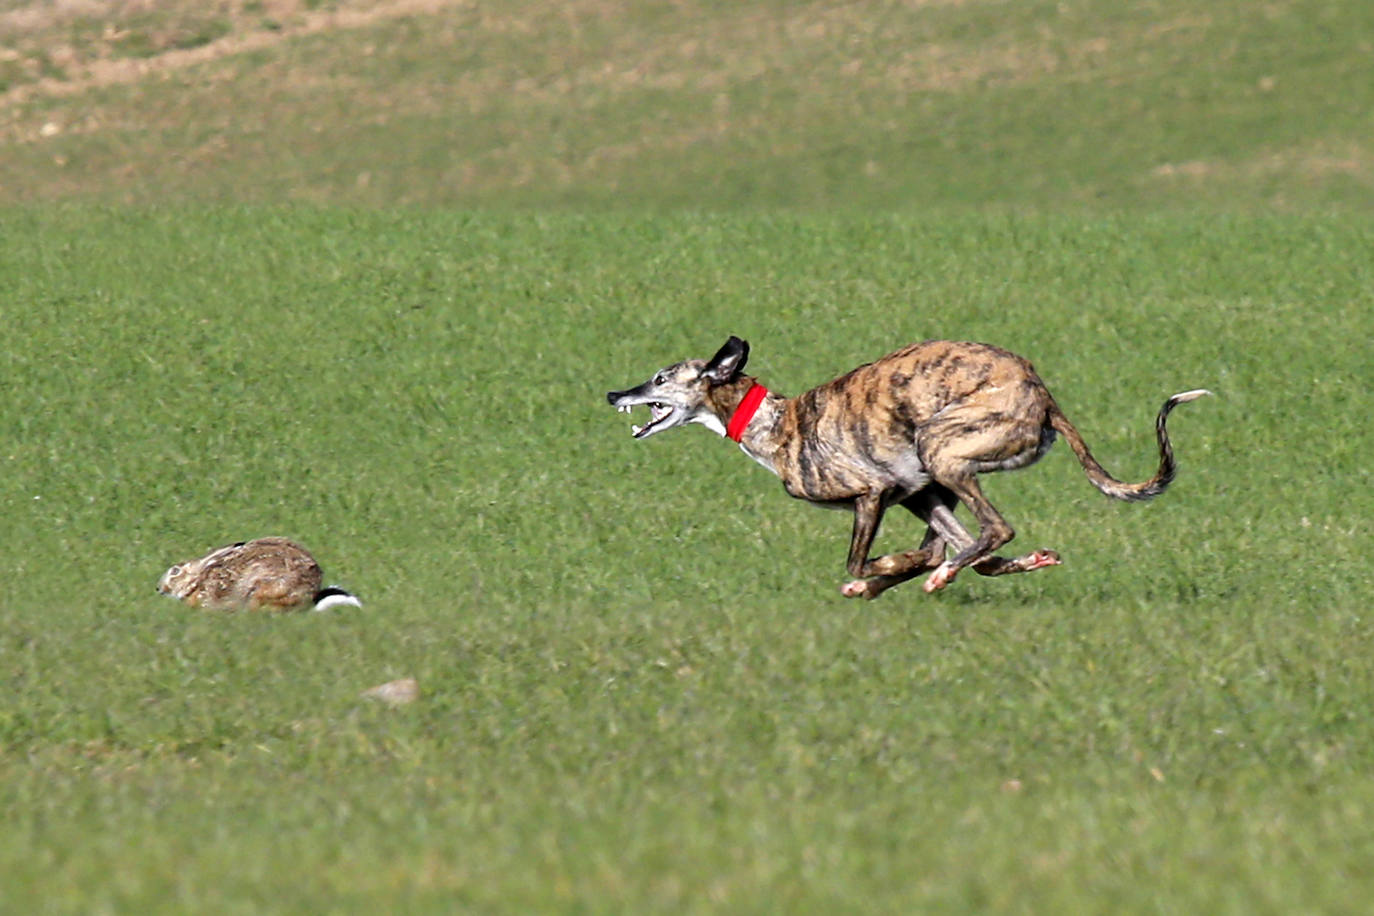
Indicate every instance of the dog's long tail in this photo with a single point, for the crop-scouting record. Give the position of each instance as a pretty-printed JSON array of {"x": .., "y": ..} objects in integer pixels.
[{"x": 1116, "y": 489}]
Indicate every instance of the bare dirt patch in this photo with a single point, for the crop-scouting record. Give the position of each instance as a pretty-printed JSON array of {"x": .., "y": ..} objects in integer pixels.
[{"x": 64, "y": 69}]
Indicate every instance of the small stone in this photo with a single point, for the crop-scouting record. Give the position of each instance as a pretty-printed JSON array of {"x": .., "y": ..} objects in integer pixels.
[{"x": 395, "y": 693}]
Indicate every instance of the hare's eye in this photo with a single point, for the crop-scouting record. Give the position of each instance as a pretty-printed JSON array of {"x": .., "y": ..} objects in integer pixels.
[{"x": 174, "y": 571}]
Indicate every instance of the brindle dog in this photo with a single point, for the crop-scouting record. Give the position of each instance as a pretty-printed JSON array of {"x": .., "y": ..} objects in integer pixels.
[{"x": 913, "y": 429}]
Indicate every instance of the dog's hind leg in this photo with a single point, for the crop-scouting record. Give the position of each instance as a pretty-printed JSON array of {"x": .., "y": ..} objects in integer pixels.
[
  {"x": 993, "y": 531},
  {"x": 1001, "y": 566},
  {"x": 938, "y": 511}
]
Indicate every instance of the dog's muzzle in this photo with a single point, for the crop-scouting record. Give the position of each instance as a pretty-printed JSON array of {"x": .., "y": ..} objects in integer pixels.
[{"x": 659, "y": 413}]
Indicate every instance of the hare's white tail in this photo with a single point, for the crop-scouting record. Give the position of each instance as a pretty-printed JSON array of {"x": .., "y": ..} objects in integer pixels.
[{"x": 333, "y": 597}]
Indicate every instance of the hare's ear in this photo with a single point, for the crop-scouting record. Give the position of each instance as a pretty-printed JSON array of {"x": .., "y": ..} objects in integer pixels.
[{"x": 728, "y": 362}]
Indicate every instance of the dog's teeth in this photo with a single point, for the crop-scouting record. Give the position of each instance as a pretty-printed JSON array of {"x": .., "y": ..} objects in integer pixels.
[{"x": 635, "y": 429}]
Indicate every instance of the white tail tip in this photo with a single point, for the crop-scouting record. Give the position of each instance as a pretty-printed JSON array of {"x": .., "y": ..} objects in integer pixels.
[{"x": 1185, "y": 396}]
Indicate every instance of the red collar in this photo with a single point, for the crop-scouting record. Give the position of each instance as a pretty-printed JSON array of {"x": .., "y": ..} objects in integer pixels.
[{"x": 739, "y": 420}]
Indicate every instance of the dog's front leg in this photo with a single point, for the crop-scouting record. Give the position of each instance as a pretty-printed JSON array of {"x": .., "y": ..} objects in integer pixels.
[
  {"x": 879, "y": 574},
  {"x": 868, "y": 513}
]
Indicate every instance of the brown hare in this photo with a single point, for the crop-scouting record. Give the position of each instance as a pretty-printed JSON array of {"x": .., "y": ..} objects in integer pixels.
[{"x": 266, "y": 574}]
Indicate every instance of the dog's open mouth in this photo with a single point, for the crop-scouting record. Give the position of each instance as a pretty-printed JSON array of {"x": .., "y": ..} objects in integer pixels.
[{"x": 659, "y": 413}]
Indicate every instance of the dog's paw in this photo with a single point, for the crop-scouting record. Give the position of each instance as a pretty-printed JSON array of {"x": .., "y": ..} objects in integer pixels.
[
  {"x": 943, "y": 575},
  {"x": 855, "y": 588}
]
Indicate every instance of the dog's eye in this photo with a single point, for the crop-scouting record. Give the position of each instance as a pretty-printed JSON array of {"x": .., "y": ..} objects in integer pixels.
[{"x": 659, "y": 379}]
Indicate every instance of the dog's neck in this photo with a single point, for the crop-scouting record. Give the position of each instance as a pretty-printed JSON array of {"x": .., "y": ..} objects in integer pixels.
[
  {"x": 744, "y": 413},
  {"x": 761, "y": 436}
]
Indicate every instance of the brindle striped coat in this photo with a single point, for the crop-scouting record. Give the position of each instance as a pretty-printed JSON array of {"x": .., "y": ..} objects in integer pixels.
[{"x": 914, "y": 428}]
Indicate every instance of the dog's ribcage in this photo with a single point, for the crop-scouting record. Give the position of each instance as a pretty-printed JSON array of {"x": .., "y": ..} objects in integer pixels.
[{"x": 881, "y": 425}]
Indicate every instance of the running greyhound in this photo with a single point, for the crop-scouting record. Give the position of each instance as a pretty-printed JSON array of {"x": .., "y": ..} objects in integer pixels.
[{"x": 913, "y": 429}]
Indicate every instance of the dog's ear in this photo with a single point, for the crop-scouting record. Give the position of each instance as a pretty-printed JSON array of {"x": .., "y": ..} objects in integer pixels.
[{"x": 728, "y": 362}]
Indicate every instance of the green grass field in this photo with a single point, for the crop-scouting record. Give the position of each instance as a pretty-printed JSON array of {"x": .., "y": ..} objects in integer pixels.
[
  {"x": 641, "y": 689},
  {"x": 360, "y": 273}
]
